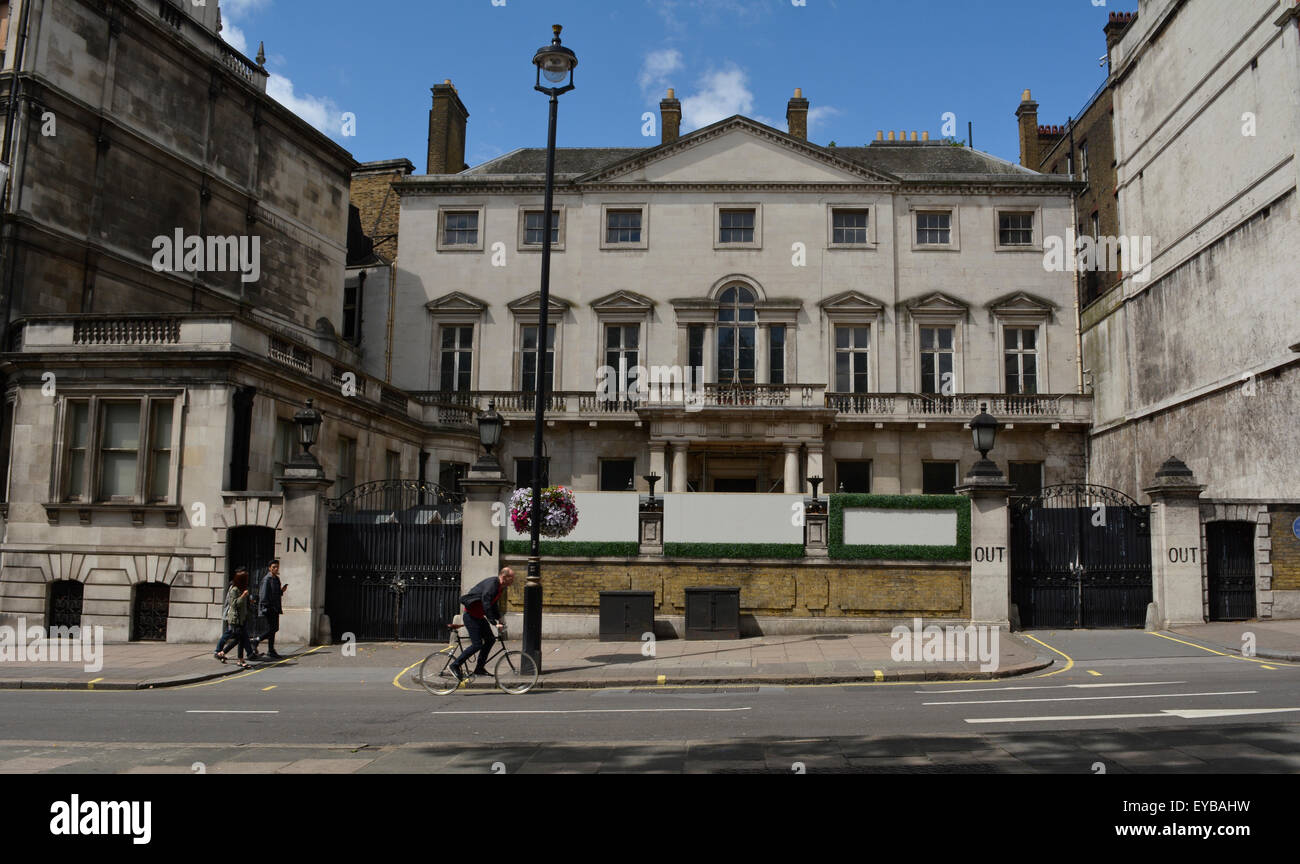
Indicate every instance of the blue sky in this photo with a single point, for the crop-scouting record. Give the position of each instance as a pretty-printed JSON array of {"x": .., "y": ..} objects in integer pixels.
[{"x": 863, "y": 65}]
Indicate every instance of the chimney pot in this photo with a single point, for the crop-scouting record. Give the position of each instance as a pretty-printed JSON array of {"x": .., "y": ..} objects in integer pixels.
[
  {"x": 925, "y": 136},
  {"x": 1025, "y": 97},
  {"x": 913, "y": 134},
  {"x": 891, "y": 134},
  {"x": 670, "y": 93},
  {"x": 880, "y": 135}
]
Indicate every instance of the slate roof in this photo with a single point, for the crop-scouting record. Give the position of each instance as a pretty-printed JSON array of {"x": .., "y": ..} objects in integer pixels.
[
  {"x": 568, "y": 160},
  {"x": 906, "y": 160}
]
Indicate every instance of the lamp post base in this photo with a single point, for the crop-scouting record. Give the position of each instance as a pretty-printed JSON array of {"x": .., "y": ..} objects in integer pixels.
[{"x": 532, "y": 638}]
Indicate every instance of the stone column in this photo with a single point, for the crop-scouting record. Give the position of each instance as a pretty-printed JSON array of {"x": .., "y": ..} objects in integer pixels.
[
  {"x": 305, "y": 531},
  {"x": 657, "y": 462},
  {"x": 483, "y": 527},
  {"x": 791, "y": 468},
  {"x": 990, "y": 530},
  {"x": 814, "y": 466},
  {"x": 1175, "y": 547},
  {"x": 679, "y": 466}
]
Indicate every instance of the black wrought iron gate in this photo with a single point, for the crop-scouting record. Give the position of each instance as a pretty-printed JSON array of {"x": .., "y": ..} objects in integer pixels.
[
  {"x": 1230, "y": 568},
  {"x": 393, "y": 565},
  {"x": 1080, "y": 557}
]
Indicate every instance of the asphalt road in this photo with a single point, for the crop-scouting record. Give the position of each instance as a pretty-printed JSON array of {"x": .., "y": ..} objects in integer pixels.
[{"x": 1118, "y": 701}]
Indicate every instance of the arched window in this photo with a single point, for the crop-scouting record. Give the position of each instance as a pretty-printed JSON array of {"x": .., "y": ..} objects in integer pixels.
[{"x": 737, "y": 335}]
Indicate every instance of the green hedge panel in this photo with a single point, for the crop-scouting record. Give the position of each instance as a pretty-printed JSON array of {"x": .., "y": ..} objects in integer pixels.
[{"x": 899, "y": 552}]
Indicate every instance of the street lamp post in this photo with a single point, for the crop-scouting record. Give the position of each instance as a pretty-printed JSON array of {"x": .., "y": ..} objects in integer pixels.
[{"x": 555, "y": 63}]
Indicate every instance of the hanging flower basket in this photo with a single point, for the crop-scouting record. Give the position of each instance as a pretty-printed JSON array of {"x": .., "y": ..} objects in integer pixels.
[{"x": 559, "y": 511}]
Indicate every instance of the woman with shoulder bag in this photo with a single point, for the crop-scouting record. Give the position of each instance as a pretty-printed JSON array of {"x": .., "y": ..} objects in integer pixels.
[{"x": 237, "y": 614}]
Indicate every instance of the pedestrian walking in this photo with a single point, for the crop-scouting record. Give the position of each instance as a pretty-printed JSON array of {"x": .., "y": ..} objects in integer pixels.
[
  {"x": 269, "y": 607},
  {"x": 237, "y": 613}
]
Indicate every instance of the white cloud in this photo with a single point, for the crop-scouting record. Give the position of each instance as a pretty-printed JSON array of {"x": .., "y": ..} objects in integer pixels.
[
  {"x": 657, "y": 67},
  {"x": 817, "y": 114},
  {"x": 319, "y": 112},
  {"x": 234, "y": 37},
  {"x": 722, "y": 93}
]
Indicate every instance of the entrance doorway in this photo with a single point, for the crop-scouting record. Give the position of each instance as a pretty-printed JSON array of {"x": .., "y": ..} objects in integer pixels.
[
  {"x": 1230, "y": 568},
  {"x": 735, "y": 484},
  {"x": 1080, "y": 557}
]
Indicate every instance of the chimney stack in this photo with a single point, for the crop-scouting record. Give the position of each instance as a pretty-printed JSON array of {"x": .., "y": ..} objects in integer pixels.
[
  {"x": 1027, "y": 114},
  {"x": 1115, "y": 27},
  {"x": 796, "y": 115},
  {"x": 447, "y": 131},
  {"x": 670, "y": 118}
]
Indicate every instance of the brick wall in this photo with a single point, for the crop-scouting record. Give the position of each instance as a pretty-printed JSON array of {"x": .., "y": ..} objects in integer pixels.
[
  {"x": 802, "y": 590},
  {"x": 1285, "y": 554},
  {"x": 373, "y": 195}
]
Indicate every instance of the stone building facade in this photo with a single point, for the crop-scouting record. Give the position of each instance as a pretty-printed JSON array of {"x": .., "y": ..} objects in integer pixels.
[
  {"x": 850, "y": 308},
  {"x": 149, "y": 401},
  {"x": 1199, "y": 355}
]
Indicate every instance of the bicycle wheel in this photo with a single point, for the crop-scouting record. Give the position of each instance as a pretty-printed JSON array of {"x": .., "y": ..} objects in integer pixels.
[
  {"x": 435, "y": 673},
  {"x": 515, "y": 672}
]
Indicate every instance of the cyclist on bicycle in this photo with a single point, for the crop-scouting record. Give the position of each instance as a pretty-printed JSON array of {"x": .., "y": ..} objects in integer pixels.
[{"x": 482, "y": 616}]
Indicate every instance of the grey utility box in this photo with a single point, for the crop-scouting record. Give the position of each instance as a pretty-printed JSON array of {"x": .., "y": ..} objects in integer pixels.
[
  {"x": 713, "y": 613},
  {"x": 626, "y": 615}
]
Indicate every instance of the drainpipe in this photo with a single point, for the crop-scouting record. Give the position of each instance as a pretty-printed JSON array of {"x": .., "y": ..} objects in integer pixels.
[{"x": 388, "y": 341}]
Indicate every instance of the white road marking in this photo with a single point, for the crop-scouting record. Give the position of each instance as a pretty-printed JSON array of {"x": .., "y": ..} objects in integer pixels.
[
  {"x": 596, "y": 711},
  {"x": 1053, "y": 687},
  {"x": 231, "y": 712},
  {"x": 1092, "y": 698},
  {"x": 1185, "y": 713}
]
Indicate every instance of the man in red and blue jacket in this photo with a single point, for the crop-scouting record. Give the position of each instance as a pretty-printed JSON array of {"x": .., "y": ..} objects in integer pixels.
[{"x": 481, "y": 615}]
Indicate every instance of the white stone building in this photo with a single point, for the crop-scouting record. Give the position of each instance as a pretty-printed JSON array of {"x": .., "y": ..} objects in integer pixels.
[{"x": 851, "y": 308}]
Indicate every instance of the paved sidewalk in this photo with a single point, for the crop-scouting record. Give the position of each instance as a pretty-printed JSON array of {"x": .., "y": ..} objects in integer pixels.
[
  {"x": 1274, "y": 640},
  {"x": 128, "y": 666},
  {"x": 574, "y": 663}
]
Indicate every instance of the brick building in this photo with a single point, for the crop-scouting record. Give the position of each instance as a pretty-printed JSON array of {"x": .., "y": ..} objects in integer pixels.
[{"x": 1083, "y": 146}]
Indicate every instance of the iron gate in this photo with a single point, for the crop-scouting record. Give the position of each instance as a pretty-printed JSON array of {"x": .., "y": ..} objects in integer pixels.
[
  {"x": 1230, "y": 567},
  {"x": 1080, "y": 557},
  {"x": 393, "y": 566}
]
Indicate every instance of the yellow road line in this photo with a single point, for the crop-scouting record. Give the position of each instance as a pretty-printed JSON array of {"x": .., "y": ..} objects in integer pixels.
[
  {"x": 272, "y": 687},
  {"x": 250, "y": 671},
  {"x": 1069, "y": 660},
  {"x": 1094, "y": 672},
  {"x": 1263, "y": 663},
  {"x": 90, "y": 685}
]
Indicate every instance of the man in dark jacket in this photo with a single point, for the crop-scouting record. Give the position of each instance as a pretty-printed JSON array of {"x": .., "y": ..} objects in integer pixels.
[
  {"x": 269, "y": 607},
  {"x": 481, "y": 614}
]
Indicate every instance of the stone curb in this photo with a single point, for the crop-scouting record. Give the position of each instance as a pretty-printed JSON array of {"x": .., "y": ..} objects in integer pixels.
[
  {"x": 146, "y": 684},
  {"x": 888, "y": 675},
  {"x": 1288, "y": 656}
]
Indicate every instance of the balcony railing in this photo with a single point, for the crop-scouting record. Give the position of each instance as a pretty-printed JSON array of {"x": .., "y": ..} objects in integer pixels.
[
  {"x": 878, "y": 407},
  {"x": 907, "y": 407},
  {"x": 522, "y": 402}
]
